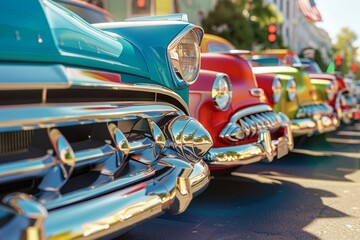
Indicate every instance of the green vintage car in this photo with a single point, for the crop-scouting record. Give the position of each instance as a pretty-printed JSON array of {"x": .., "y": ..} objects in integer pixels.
[
  {"x": 95, "y": 133},
  {"x": 308, "y": 114}
]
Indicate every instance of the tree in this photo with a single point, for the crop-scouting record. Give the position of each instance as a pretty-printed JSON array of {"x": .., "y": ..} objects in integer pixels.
[
  {"x": 345, "y": 47},
  {"x": 242, "y": 22}
]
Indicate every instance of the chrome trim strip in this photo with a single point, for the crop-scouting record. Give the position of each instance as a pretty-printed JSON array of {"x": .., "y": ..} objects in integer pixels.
[
  {"x": 61, "y": 79},
  {"x": 35, "y": 116}
]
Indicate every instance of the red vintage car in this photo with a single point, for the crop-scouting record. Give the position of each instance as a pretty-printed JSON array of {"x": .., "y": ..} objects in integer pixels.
[
  {"x": 228, "y": 102},
  {"x": 343, "y": 99}
]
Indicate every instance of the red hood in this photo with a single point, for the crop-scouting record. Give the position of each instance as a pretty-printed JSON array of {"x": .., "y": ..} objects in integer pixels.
[{"x": 240, "y": 74}]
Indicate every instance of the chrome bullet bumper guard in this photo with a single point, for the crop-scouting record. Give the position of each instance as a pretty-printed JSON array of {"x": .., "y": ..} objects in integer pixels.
[
  {"x": 315, "y": 125},
  {"x": 265, "y": 149}
]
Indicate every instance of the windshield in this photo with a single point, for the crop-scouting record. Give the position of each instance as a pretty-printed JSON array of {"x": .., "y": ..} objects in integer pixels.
[
  {"x": 219, "y": 47},
  {"x": 91, "y": 15},
  {"x": 266, "y": 61}
]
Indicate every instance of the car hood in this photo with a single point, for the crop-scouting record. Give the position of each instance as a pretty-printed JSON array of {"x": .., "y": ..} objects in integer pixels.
[
  {"x": 305, "y": 90},
  {"x": 45, "y": 32},
  {"x": 240, "y": 74}
]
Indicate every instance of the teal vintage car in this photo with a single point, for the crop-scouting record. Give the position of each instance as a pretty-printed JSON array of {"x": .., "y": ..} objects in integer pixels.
[{"x": 95, "y": 133}]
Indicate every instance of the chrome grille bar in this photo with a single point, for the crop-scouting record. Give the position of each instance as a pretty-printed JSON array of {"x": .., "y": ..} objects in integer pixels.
[
  {"x": 309, "y": 111},
  {"x": 249, "y": 122}
]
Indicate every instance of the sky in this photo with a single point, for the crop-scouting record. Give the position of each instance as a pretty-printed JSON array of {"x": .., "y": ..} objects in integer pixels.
[{"x": 337, "y": 14}]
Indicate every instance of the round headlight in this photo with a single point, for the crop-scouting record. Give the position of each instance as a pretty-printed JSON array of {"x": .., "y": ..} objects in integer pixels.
[
  {"x": 184, "y": 56},
  {"x": 276, "y": 90},
  {"x": 331, "y": 90},
  {"x": 291, "y": 89},
  {"x": 222, "y": 92}
]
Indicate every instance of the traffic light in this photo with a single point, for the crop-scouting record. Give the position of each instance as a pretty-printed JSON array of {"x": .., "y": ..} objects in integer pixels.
[
  {"x": 271, "y": 29},
  {"x": 338, "y": 60},
  {"x": 354, "y": 68},
  {"x": 141, "y": 7}
]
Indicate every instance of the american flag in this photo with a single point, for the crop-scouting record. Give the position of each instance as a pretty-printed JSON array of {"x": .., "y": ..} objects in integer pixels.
[{"x": 309, "y": 10}]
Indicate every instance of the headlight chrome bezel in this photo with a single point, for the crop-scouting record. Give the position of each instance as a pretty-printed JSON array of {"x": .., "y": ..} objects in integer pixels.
[
  {"x": 291, "y": 89},
  {"x": 276, "y": 88},
  {"x": 185, "y": 77},
  {"x": 331, "y": 90},
  {"x": 216, "y": 94}
]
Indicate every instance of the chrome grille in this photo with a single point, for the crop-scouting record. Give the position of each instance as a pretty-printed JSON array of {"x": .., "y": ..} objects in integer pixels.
[
  {"x": 79, "y": 146},
  {"x": 15, "y": 141},
  {"x": 96, "y": 142},
  {"x": 247, "y": 124},
  {"x": 309, "y": 111},
  {"x": 265, "y": 120}
]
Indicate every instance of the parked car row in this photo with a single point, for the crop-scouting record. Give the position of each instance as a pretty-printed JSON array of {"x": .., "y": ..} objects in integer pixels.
[{"x": 104, "y": 126}]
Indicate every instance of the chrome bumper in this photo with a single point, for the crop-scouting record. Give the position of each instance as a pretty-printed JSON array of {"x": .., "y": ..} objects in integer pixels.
[
  {"x": 264, "y": 149},
  {"x": 316, "y": 125},
  {"x": 346, "y": 107},
  {"x": 348, "y": 115},
  {"x": 170, "y": 192},
  {"x": 105, "y": 186}
]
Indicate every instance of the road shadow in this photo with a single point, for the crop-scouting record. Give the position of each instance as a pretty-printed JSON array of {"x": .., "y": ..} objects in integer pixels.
[
  {"x": 251, "y": 207},
  {"x": 316, "y": 159},
  {"x": 335, "y": 168},
  {"x": 261, "y": 202}
]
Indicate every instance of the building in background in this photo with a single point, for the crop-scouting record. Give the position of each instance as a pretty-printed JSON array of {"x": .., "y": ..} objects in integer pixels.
[
  {"x": 299, "y": 31},
  {"x": 195, "y": 9}
]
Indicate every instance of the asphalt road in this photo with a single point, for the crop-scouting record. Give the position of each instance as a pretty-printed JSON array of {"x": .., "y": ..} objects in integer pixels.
[{"x": 313, "y": 193}]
